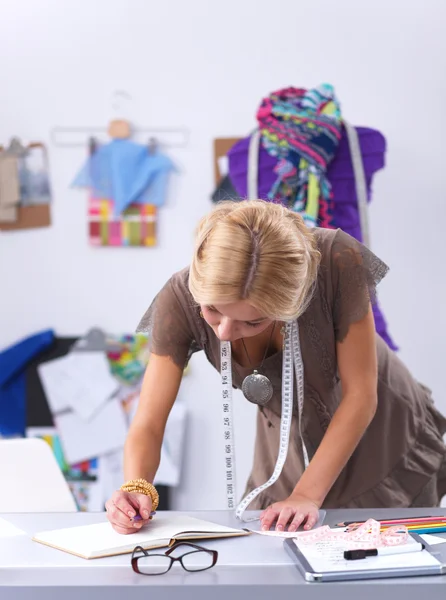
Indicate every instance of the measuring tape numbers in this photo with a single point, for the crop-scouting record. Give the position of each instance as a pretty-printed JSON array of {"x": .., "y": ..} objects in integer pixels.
[{"x": 292, "y": 364}]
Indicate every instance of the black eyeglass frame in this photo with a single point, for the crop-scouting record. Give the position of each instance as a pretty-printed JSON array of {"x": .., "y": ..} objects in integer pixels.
[{"x": 173, "y": 559}]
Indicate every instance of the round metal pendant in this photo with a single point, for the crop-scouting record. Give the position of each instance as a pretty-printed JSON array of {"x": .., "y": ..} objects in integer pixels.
[{"x": 257, "y": 388}]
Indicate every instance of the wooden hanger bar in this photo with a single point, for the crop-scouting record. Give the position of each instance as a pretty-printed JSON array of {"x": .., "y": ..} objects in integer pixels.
[{"x": 74, "y": 137}]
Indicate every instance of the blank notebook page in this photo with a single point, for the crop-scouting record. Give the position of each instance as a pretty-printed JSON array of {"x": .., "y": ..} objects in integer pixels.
[{"x": 93, "y": 541}]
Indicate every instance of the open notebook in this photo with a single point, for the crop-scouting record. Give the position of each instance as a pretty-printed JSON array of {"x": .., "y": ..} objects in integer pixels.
[{"x": 100, "y": 540}]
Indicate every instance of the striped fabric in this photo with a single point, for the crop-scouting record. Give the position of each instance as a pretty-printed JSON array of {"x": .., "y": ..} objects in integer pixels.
[{"x": 135, "y": 226}]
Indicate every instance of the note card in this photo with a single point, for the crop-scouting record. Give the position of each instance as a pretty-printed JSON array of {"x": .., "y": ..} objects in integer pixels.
[{"x": 327, "y": 556}]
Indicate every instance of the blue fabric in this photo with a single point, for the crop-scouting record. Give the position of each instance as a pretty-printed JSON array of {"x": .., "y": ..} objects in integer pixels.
[
  {"x": 13, "y": 361},
  {"x": 156, "y": 192},
  {"x": 125, "y": 172}
]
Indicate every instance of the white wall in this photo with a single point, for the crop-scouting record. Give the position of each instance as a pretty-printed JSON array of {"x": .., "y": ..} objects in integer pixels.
[{"x": 205, "y": 65}]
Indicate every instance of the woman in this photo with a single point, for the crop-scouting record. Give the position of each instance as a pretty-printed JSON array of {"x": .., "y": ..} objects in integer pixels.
[{"x": 372, "y": 433}]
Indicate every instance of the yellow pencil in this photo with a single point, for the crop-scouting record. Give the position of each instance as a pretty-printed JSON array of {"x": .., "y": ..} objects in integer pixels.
[{"x": 420, "y": 526}]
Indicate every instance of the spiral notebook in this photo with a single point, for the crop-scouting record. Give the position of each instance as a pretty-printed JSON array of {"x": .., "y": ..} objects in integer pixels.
[{"x": 101, "y": 540}]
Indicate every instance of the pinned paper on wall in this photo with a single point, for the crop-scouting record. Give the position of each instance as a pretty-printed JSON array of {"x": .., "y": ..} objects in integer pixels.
[
  {"x": 93, "y": 394},
  {"x": 81, "y": 394},
  {"x": 81, "y": 381},
  {"x": 105, "y": 432}
]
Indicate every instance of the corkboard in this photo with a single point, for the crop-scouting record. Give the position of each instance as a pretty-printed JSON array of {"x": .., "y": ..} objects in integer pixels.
[{"x": 29, "y": 217}]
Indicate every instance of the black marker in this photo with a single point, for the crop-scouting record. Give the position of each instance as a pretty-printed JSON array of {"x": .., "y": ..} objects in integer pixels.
[{"x": 386, "y": 551}]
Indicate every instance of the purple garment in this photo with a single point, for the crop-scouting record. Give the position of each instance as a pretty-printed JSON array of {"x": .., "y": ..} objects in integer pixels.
[{"x": 341, "y": 176}]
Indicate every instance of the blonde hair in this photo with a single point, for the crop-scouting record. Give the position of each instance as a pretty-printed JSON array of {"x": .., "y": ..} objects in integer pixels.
[{"x": 255, "y": 251}]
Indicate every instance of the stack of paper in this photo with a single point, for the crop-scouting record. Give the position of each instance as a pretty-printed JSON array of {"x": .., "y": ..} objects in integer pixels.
[
  {"x": 79, "y": 388},
  {"x": 80, "y": 381},
  {"x": 92, "y": 412}
]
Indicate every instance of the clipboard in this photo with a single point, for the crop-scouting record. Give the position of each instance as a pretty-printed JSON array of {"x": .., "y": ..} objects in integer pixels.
[
  {"x": 416, "y": 564},
  {"x": 94, "y": 341}
]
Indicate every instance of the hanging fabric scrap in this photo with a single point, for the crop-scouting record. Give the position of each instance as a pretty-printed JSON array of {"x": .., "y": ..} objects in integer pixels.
[
  {"x": 302, "y": 129},
  {"x": 127, "y": 183},
  {"x": 128, "y": 356}
]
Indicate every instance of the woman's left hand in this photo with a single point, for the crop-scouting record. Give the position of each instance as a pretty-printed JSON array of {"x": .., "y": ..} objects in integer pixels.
[{"x": 293, "y": 511}]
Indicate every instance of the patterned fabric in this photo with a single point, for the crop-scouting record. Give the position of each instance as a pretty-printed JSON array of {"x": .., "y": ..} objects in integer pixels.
[
  {"x": 128, "y": 356},
  {"x": 302, "y": 128},
  {"x": 135, "y": 226}
]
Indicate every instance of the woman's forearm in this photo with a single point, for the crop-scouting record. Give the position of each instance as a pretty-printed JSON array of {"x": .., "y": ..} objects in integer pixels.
[
  {"x": 142, "y": 453},
  {"x": 345, "y": 431}
]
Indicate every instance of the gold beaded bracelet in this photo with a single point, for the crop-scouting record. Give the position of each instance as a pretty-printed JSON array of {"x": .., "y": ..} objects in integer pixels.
[{"x": 141, "y": 486}]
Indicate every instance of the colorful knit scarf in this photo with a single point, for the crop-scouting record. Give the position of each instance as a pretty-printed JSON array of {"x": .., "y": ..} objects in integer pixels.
[{"x": 302, "y": 128}]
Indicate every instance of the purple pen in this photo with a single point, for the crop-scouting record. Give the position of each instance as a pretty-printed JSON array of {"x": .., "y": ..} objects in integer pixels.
[{"x": 139, "y": 518}]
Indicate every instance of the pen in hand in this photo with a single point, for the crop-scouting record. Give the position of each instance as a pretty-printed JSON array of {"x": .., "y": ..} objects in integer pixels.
[{"x": 138, "y": 517}]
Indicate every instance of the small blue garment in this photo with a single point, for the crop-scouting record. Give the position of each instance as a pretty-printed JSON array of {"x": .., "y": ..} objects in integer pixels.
[
  {"x": 156, "y": 192},
  {"x": 125, "y": 172},
  {"x": 13, "y": 362}
]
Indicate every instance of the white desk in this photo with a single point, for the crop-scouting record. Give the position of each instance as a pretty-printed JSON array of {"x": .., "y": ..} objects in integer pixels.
[{"x": 253, "y": 566}]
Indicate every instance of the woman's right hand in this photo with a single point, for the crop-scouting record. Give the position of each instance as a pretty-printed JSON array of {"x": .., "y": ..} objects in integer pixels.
[{"x": 123, "y": 506}]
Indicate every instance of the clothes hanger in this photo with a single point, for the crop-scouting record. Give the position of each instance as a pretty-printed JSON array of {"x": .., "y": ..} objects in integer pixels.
[
  {"x": 119, "y": 129},
  {"x": 92, "y": 145},
  {"x": 16, "y": 147},
  {"x": 153, "y": 145}
]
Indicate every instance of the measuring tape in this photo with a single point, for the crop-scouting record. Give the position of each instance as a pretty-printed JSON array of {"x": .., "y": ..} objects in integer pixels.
[
  {"x": 367, "y": 535},
  {"x": 291, "y": 363},
  {"x": 228, "y": 429}
]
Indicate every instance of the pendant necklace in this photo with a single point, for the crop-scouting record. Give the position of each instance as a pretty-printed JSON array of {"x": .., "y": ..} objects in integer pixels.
[{"x": 257, "y": 388}]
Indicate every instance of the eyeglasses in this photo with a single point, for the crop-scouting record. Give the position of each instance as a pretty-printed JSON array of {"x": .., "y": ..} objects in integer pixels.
[{"x": 196, "y": 559}]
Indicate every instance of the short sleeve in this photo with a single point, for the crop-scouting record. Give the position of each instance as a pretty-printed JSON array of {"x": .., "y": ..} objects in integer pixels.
[
  {"x": 356, "y": 272},
  {"x": 167, "y": 326}
]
